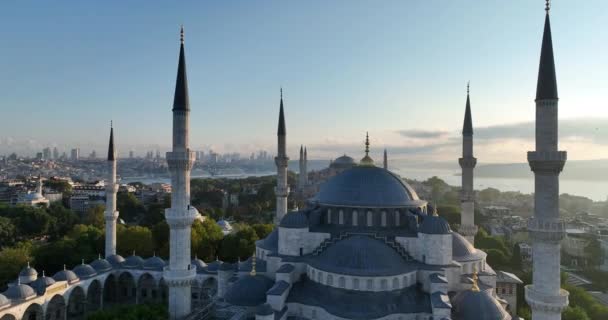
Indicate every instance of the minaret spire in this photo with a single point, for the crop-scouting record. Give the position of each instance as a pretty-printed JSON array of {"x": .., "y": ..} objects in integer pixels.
[
  {"x": 180, "y": 274},
  {"x": 367, "y": 160},
  {"x": 281, "y": 161},
  {"x": 546, "y": 229},
  {"x": 385, "y": 162},
  {"x": 468, "y": 162},
  {"x": 111, "y": 214}
]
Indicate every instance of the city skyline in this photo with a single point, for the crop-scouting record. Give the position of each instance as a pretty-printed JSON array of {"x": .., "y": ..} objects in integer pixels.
[{"x": 399, "y": 72}]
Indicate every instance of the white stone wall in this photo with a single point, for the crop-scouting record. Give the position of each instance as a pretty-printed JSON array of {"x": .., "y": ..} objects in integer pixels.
[
  {"x": 291, "y": 240},
  {"x": 437, "y": 248},
  {"x": 360, "y": 283},
  {"x": 278, "y": 302}
]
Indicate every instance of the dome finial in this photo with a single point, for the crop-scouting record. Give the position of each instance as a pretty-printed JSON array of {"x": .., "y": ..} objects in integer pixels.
[
  {"x": 82, "y": 262},
  {"x": 64, "y": 268},
  {"x": 181, "y": 34},
  {"x": 367, "y": 160},
  {"x": 366, "y": 143},
  {"x": 43, "y": 274},
  {"x": 28, "y": 264},
  {"x": 253, "y": 273},
  {"x": 99, "y": 256},
  {"x": 475, "y": 286},
  {"x": 547, "y": 5},
  {"x": 468, "y": 85}
]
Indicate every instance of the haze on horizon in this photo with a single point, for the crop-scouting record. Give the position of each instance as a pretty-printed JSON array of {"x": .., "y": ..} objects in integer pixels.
[{"x": 398, "y": 71}]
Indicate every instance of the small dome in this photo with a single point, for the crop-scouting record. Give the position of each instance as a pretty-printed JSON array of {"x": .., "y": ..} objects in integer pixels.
[
  {"x": 271, "y": 242},
  {"x": 224, "y": 224},
  {"x": 41, "y": 284},
  {"x": 434, "y": 225},
  {"x": 154, "y": 263},
  {"x": 295, "y": 220},
  {"x": 227, "y": 267},
  {"x": 28, "y": 272},
  {"x": 101, "y": 265},
  {"x": 474, "y": 305},
  {"x": 133, "y": 262},
  {"x": 213, "y": 266},
  {"x": 4, "y": 301},
  {"x": 343, "y": 162},
  {"x": 198, "y": 263},
  {"x": 66, "y": 275},
  {"x": 249, "y": 291},
  {"x": 264, "y": 310},
  {"x": 463, "y": 250},
  {"x": 84, "y": 271},
  {"x": 115, "y": 260},
  {"x": 20, "y": 292}
]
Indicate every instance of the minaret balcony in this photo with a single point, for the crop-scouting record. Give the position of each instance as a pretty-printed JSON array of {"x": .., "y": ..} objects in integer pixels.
[
  {"x": 112, "y": 188},
  {"x": 281, "y": 162},
  {"x": 467, "y": 162},
  {"x": 180, "y": 160},
  {"x": 468, "y": 230},
  {"x": 179, "y": 278},
  {"x": 467, "y": 195},
  {"x": 542, "y": 301},
  {"x": 547, "y": 230},
  {"x": 547, "y": 161},
  {"x": 180, "y": 218},
  {"x": 281, "y": 191}
]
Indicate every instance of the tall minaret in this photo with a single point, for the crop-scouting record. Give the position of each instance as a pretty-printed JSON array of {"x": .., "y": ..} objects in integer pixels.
[
  {"x": 301, "y": 174},
  {"x": 281, "y": 160},
  {"x": 545, "y": 296},
  {"x": 467, "y": 197},
  {"x": 305, "y": 166},
  {"x": 385, "y": 162},
  {"x": 111, "y": 189},
  {"x": 180, "y": 274}
]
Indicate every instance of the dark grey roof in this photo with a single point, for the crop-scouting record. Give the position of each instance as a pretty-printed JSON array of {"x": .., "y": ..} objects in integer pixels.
[
  {"x": 286, "y": 268},
  {"x": 260, "y": 265},
  {"x": 155, "y": 263},
  {"x": 434, "y": 225},
  {"x": 463, "y": 250},
  {"x": 440, "y": 300},
  {"x": 4, "y": 301},
  {"x": 281, "y": 130},
  {"x": 84, "y": 271},
  {"x": 477, "y": 305},
  {"x": 66, "y": 275},
  {"x": 271, "y": 242},
  {"x": 111, "y": 153},
  {"x": 115, "y": 260},
  {"x": 278, "y": 288},
  {"x": 198, "y": 263},
  {"x": 546, "y": 86},
  {"x": 101, "y": 265},
  {"x": 28, "y": 272},
  {"x": 41, "y": 283},
  {"x": 295, "y": 220},
  {"x": 353, "y": 304},
  {"x": 366, "y": 186},
  {"x": 249, "y": 291},
  {"x": 133, "y": 262},
  {"x": 181, "y": 100},
  {"x": 227, "y": 267},
  {"x": 467, "y": 128},
  {"x": 361, "y": 256},
  {"x": 19, "y": 292},
  {"x": 264, "y": 310},
  {"x": 213, "y": 266},
  {"x": 343, "y": 162},
  {"x": 438, "y": 278}
]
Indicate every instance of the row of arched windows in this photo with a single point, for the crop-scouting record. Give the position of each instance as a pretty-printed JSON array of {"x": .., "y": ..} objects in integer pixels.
[
  {"x": 367, "y": 218},
  {"x": 362, "y": 283}
]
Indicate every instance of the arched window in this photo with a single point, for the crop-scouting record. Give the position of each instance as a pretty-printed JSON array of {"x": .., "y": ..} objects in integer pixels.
[
  {"x": 355, "y": 218},
  {"x": 355, "y": 283},
  {"x": 370, "y": 284},
  {"x": 341, "y": 282},
  {"x": 383, "y": 219},
  {"x": 397, "y": 218},
  {"x": 383, "y": 284},
  {"x": 320, "y": 277},
  {"x": 405, "y": 282},
  {"x": 330, "y": 280},
  {"x": 395, "y": 283},
  {"x": 328, "y": 216},
  {"x": 340, "y": 217},
  {"x": 369, "y": 219}
]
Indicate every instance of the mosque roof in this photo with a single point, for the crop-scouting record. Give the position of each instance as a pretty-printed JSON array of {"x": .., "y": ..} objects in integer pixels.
[
  {"x": 249, "y": 291},
  {"x": 546, "y": 87},
  {"x": 343, "y": 162},
  {"x": 154, "y": 263},
  {"x": 133, "y": 262},
  {"x": 354, "y": 304},
  {"x": 434, "y": 225},
  {"x": 440, "y": 300},
  {"x": 226, "y": 266},
  {"x": 101, "y": 265},
  {"x": 286, "y": 268},
  {"x": 66, "y": 275},
  {"x": 260, "y": 265},
  {"x": 477, "y": 305},
  {"x": 271, "y": 242},
  {"x": 41, "y": 284},
  {"x": 278, "y": 288},
  {"x": 115, "y": 260},
  {"x": 19, "y": 292},
  {"x": 213, "y": 266},
  {"x": 84, "y": 271},
  {"x": 463, "y": 250},
  {"x": 4, "y": 301},
  {"x": 264, "y": 310},
  {"x": 366, "y": 186},
  {"x": 295, "y": 220},
  {"x": 28, "y": 272},
  {"x": 198, "y": 263},
  {"x": 361, "y": 256},
  {"x": 181, "y": 100}
]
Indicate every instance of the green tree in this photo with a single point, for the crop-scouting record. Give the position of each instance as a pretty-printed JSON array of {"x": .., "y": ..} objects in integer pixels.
[
  {"x": 450, "y": 213},
  {"x": 134, "y": 239},
  {"x": 206, "y": 237},
  {"x": 594, "y": 253},
  {"x": 64, "y": 220},
  {"x": 33, "y": 221},
  {"x": 95, "y": 216},
  {"x": 8, "y": 232},
  {"x": 129, "y": 206},
  {"x": 262, "y": 230},
  {"x": 240, "y": 244},
  {"x": 516, "y": 261},
  {"x": 497, "y": 259},
  {"x": 12, "y": 260},
  {"x": 160, "y": 236},
  {"x": 575, "y": 313}
]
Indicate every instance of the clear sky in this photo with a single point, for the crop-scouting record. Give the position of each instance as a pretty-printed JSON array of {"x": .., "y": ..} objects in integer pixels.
[{"x": 397, "y": 69}]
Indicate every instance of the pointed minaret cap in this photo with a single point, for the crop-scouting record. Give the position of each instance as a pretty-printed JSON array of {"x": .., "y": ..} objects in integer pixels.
[
  {"x": 281, "y": 130},
  {"x": 546, "y": 86},
  {"x": 367, "y": 160},
  {"x": 467, "y": 128},
  {"x": 181, "y": 100},
  {"x": 111, "y": 151}
]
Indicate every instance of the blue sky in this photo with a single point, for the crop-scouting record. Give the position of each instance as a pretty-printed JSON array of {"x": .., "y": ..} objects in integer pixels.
[{"x": 346, "y": 67}]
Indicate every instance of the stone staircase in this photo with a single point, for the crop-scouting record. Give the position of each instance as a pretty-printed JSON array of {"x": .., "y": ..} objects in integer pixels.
[{"x": 343, "y": 235}]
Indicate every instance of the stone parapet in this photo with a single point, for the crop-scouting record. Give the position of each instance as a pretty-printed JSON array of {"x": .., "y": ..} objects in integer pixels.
[
  {"x": 112, "y": 188},
  {"x": 468, "y": 230},
  {"x": 281, "y": 191},
  {"x": 546, "y": 230},
  {"x": 180, "y": 160},
  {"x": 180, "y": 218},
  {"x": 545, "y": 302},
  {"x": 110, "y": 216},
  {"x": 547, "y": 162},
  {"x": 467, "y": 195},
  {"x": 179, "y": 278},
  {"x": 467, "y": 162},
  {"x": 281, "y": 161}
]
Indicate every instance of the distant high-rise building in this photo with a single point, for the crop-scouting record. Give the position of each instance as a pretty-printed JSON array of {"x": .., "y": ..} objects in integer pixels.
[
  {"x": 131, "y": 154},
  {"x": 39, "y": 156},
  {"x": 75, "y": 154},
  {"x": 93, "y": 154},
  {"x": 46, "y": 153},
  {"x": 55, "y": 153}
]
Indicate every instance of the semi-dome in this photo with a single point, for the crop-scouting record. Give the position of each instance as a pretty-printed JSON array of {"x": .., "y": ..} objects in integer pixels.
[
  {"x": 249, "y": 291},
  {"x": 19, "y": 292},
  {"x": 133, "y": 262},
  {"x": 463, "y": 250},
  {"x": 115, "y": 260},
  {"x": 271, "y": 242},
  {"x": 66, "y": 275},
  {"x": 4, "y": 301},
  {"x": 367, "y": 186},
  {"x": 295, "y": 220},
  {"x": 361, "y": 256},
  {"x": 198, "y": 263},
  {"x": 101, "y": 265},
  {"x": 477, "y": 305},
  {"x": 155, "y": 263},
  {"x": 84, "y": 271},
  {"x": 42, "y": 283},
  {"x": 434, "y": 225}
]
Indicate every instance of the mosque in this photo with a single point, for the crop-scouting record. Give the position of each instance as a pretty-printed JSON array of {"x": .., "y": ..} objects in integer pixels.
[{"x": 364, "y": 247}]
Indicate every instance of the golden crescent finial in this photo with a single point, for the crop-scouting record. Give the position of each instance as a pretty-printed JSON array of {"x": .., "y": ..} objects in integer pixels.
[{"x": 475, "y": 286}]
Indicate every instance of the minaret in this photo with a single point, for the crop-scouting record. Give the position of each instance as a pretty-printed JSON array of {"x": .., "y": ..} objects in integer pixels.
[
  {"x": 281, "y": 160},
  {"x": 545, "y": 296},
  {"x": 305, "y": 166},
  {"x": 385, "y": 162},
  {"x": 111, "y": 189},
  {"x": 302, "y": 170},
  {"x": 467, "y": 197},
  {"x": 39, "y": 186},
  {"x": 180, "y": 274}
]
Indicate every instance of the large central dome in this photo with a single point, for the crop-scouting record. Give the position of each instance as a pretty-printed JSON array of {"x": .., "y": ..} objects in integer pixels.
[{"x": 367, "y": 186}]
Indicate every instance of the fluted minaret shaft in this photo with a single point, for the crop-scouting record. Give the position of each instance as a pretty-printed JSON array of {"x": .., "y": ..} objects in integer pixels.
[
  {"x": 545, "y": 296},
  {"x": 305, "y": 166},
  {"x": 301, "y": 182},
  {"x": 468, "y": 162},
  {"x": 385, "y": 160},
  {"x": 111, "y": 214},
  {"x": 180, "y": 274},
  {"x": 281, "y": 160}
]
